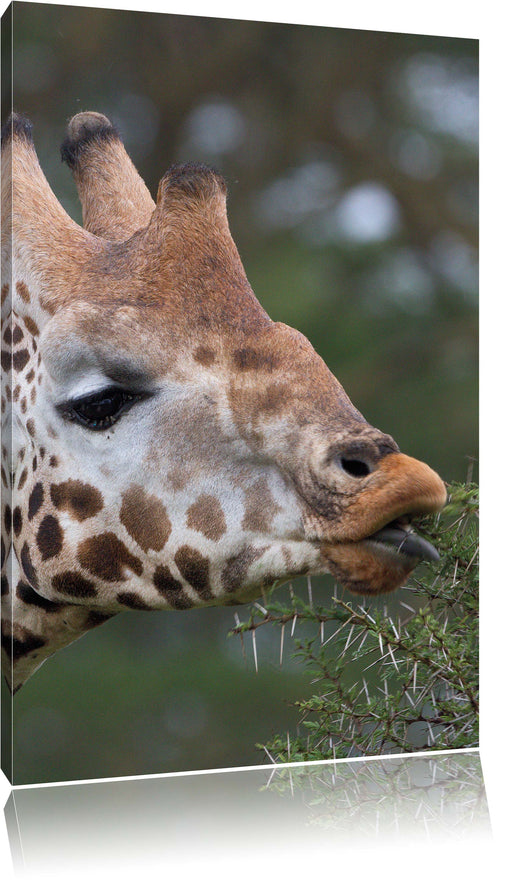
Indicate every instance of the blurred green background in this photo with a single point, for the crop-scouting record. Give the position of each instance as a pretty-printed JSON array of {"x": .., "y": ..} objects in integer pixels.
[{"x": 351, "y": 161}]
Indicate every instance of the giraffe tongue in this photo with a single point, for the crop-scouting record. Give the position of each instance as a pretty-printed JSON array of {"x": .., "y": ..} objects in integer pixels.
[{"x": 406, "y": 542}]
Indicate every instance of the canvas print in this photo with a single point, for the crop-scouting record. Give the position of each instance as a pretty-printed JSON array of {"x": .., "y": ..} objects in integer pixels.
[{"x": 239, "y": 393}]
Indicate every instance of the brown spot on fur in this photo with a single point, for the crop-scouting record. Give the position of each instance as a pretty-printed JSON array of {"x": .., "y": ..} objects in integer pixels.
[
  {"x": 274, "y": 398},
  {"x": 250, "y": 405},
  {"x": 28, "y": 567},
  {"x": 204, "y": 355},
  {"x": 130, "y": 599},
  {"x": 54, "y": 461},
  {"x": 24, "y": 405},
  {"x": 170, "y": 588},
  {"x": 179, "y": 478},
  {"x": 16, "y": 392},
  {"x": 250, "y": 359},
  {"x": 260, "y": 508},
  {"x": 30, "y": 376},
  {"x": 194, "y": 567},
  {"x": 5, "y": 359},
  {"x": 80, "y": 500},
  {"x": 31, "y": 428},
  {"x": 7, "y": 519},
  {"x": 48, "y": 304},
  {"x": 34, "y": 464},
  {"x": 26, "y": 594},
  {"x": 70, "y": 582},
  {"x": 207, "y": 517},
  {"x": 23, "y": 292},
  {"x": 5, "y": 584},
  {"x": 145, "y": 518},
  {"x": 35, "y": 500},
  {"x": 33, "y": 395},
  {"x": 17, "y": 521},
  {"x": 17, "y": 335},
  {"x": 106, "y": 557},
  {"x": 5, "y": 291},
  {"x": 291, "y": 566},
  {"x": 50, "y": 537},
  {"x": 235, "y": 570},
  {"x": 31, "y": 326}
]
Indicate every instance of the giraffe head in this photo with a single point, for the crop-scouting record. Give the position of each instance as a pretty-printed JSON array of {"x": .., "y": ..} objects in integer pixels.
[{"x": 172, "y": 445}]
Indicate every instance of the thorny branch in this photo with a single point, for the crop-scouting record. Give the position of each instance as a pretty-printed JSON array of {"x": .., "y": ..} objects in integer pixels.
[{"x": 387, "y": 684}]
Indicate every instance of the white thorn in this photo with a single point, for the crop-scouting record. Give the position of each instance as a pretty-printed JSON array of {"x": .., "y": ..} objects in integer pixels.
[{"x": 254, "y": 650}]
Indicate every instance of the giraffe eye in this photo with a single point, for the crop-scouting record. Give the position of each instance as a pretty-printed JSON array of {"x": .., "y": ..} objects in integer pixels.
[{"x": 99, "y": 410}]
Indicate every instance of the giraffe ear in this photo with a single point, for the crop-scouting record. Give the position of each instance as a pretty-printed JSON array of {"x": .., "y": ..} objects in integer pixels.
[{"x": 115, "y": 201}]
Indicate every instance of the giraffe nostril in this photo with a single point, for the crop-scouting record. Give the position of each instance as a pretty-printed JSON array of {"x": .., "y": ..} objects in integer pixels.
[
  {"x": 356, "y": 468},
  {"x": 360, "y": 456}
]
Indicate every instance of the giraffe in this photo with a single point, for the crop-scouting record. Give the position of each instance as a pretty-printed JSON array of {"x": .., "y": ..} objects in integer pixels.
[{"x": 166, "y": 444}]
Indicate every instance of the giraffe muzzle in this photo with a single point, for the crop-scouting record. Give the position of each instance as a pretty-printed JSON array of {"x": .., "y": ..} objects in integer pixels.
[{"x": 380, "y": 548}]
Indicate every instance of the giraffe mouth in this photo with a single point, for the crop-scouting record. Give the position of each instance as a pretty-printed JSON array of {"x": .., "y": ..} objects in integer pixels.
[{"x": 381, "y": 562}]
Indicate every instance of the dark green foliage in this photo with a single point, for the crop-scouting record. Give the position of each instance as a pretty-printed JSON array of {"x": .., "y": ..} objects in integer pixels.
[{"x": 391, "y": 682}]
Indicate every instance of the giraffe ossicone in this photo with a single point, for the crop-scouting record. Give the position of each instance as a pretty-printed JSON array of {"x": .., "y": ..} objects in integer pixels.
[{"x": 166, "y": 444}]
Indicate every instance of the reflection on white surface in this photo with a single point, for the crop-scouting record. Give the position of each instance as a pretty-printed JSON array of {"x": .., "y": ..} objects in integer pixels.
[{"x": 312, "y": 809}]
